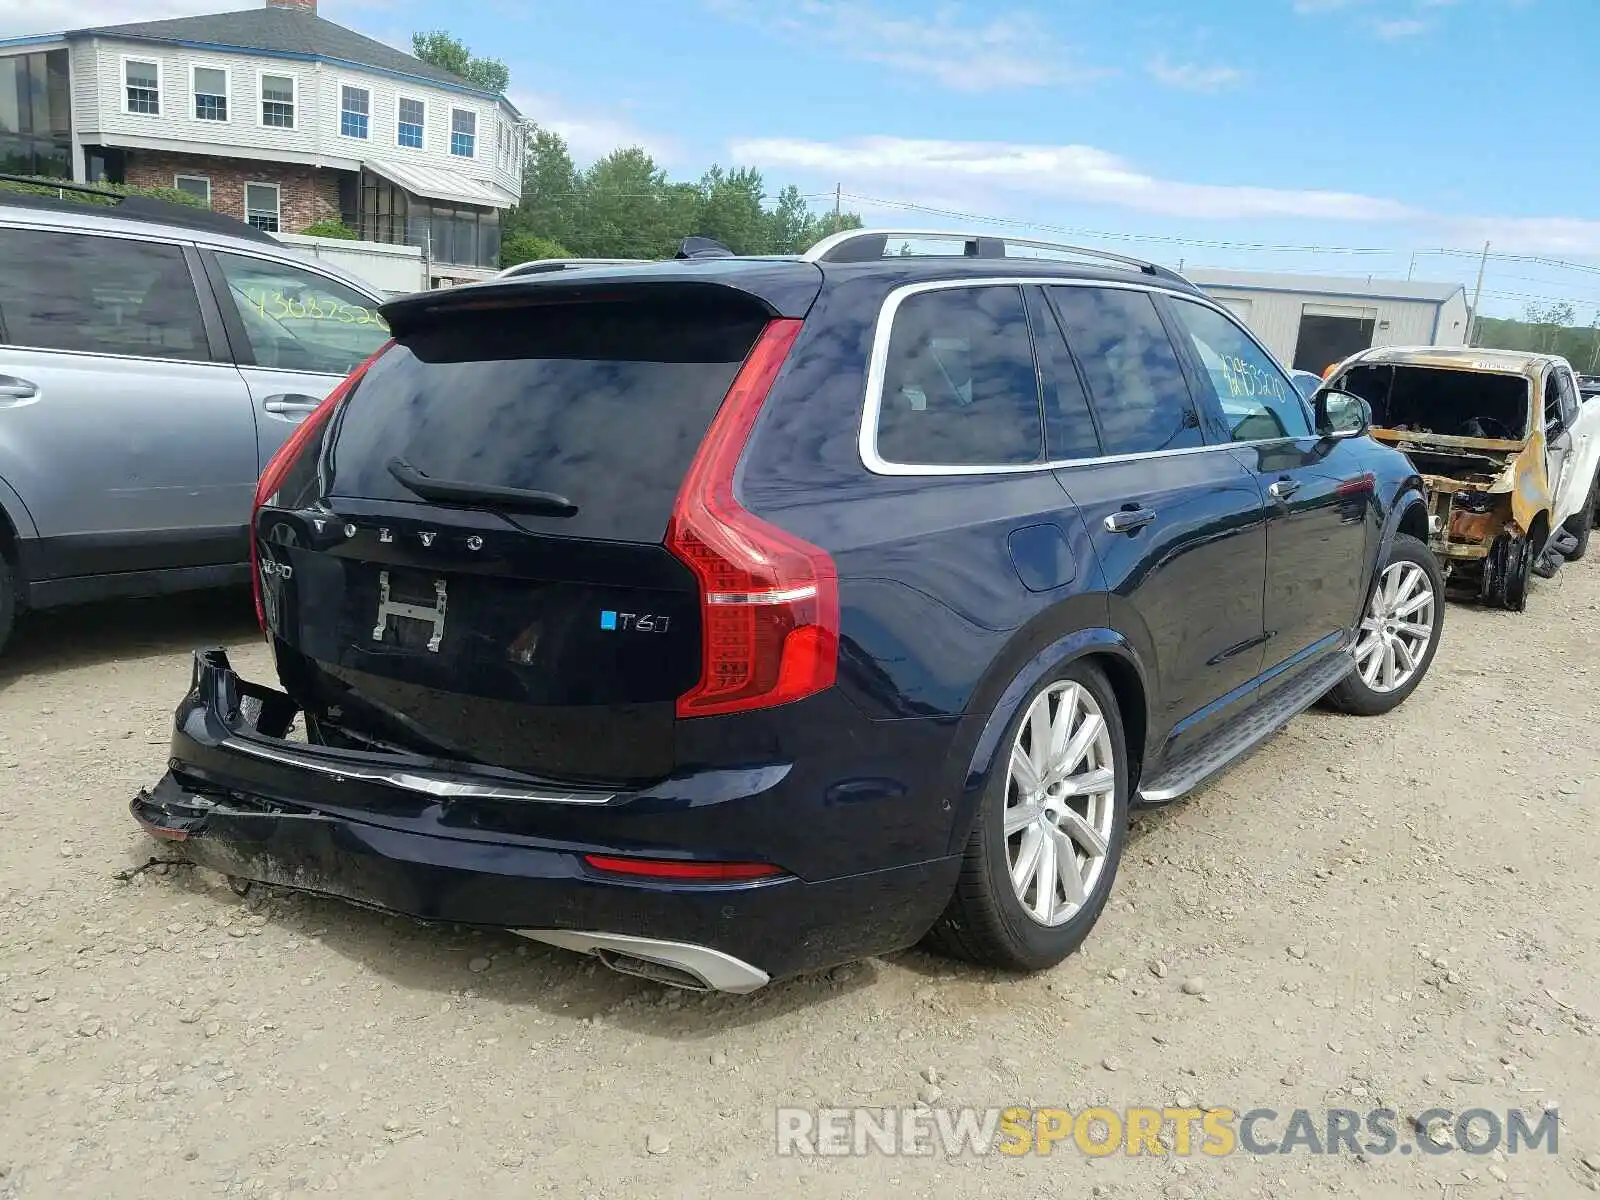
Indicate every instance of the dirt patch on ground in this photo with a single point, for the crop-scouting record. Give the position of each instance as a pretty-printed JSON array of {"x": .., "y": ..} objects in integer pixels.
[{"x": 1398, "y": 912}]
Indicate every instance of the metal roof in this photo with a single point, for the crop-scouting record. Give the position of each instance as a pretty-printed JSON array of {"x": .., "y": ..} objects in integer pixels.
[
  {"x": 283, "y": 31},
  {"x": 437, "y": 183},
  {"x": 1371, "y": 288}
]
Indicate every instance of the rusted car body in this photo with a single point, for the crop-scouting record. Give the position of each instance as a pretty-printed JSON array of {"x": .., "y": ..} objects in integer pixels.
[{"x": 1503, "y": 442}]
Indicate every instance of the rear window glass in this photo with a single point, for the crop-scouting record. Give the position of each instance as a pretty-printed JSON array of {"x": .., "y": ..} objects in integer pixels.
[
  {"x": 603, "y": 403},
  {"x": 960, "y": 387},
  {"x": 1441, "y": 401}
]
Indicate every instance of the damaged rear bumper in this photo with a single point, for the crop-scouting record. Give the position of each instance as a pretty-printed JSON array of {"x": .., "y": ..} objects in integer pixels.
[{"x": 455, "y": 843}]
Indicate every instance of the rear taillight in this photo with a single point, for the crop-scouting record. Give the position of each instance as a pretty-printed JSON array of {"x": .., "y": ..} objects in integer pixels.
[
  {"x": 769, "y": 601},
  {"x": 288, "y": 454}
]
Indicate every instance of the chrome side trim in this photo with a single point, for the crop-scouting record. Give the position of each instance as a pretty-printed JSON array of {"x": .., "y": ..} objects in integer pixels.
[
  {"x": 428, "y": 783},
  {"x": 718, "y": 971},
  {"x": 877, "y": 368}
]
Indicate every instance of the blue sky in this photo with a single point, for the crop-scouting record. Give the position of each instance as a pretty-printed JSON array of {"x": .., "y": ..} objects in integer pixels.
[{"x": 1395, "y": 125}]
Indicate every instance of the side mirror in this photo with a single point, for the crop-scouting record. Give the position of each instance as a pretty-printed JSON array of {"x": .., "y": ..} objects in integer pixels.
[{"x": 1341, "y": 415}]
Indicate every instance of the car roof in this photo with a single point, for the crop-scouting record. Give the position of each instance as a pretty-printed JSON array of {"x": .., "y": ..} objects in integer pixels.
[
  {"x": 785, "y": 285},
  {"x": 128, "y": 214},
  {"x": 139, "y": 216},
  {"x": 1459, "y": 358}
]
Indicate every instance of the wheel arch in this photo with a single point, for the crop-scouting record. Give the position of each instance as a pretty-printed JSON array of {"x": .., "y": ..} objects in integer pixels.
[{"x": 1108, "y": 650}]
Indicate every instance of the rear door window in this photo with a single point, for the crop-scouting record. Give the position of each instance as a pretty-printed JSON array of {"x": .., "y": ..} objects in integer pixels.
[
  {"x": 298, "y": 320},
  {"x": 98, "y": 295},
  {"x": 960, "y": 387},
  {"x": 603, "y": 402},
  {"x": 1257, "y": 401},
  {"x": 1069, "y": 431},
  {"x": 1140, "y": 398}
]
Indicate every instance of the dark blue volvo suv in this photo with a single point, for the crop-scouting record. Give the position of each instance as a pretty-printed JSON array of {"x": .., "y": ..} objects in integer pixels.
[{"x": 730, "y": 618}]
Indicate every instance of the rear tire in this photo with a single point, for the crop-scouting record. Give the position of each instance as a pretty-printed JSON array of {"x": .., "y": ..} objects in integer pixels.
[
  {"x": 8, "y": 599},
  {"x": 1387, "y": 631},
  {"x": 989, "y": 919}
]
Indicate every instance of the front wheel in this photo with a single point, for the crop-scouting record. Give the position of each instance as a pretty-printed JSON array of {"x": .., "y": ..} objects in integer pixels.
[
  {"x": 1043, "y": 852},
  {"x": 1399, "y": 632}
]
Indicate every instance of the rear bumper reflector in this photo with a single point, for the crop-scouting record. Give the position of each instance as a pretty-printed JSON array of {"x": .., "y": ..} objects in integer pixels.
[{"x": 682, "y": 869}]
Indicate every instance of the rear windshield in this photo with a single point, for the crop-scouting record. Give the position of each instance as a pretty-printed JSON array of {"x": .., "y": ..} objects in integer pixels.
[
  {"x": 603, "y": 403},
  {"x": 1441, "y": 401}
]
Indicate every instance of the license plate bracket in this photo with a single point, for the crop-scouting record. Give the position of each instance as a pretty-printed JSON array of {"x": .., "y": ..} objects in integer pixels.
[{"x": 431, "y": 614}]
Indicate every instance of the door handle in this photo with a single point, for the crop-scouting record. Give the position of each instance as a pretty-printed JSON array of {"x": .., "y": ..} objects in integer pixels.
[
  {"x": 12, "y": 388},
  {"x": 290, "y": 404},
  {"x": 1129, "y": 520},
  {"x": 1282, "y": 489}
]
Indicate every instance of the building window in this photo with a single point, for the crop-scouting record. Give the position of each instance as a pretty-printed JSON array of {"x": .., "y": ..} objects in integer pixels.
[
  {"x": 143, "y": 81},
  {"x": 194, "y": 185},
  {"x": 277, "y": 101},
  {"x": 463, "y": 132},
  {"x": 261, "y": 206},
  {"x": 355, "y": 104},
  {"x": 411, "y": 122},
  {"x": 35, "y": 115},
  {"x": 210, "y": 94}
]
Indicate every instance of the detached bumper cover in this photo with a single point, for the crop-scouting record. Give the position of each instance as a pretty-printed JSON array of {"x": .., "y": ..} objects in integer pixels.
[{"x": 456, "y": 848}]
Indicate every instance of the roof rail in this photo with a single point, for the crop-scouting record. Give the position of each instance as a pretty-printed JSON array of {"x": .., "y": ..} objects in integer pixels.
[
  {"x": 870, "y": 245},
  {"x": 126, "y": 208},
  {"x": 540, "y": 266}
]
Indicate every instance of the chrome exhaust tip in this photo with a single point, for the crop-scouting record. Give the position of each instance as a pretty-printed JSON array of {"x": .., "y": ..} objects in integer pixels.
[{"x": 676, "y": 964}]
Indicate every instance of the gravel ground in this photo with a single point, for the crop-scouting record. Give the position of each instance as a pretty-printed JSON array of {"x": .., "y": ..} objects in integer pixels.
[{"x": 1395, "y": 913}]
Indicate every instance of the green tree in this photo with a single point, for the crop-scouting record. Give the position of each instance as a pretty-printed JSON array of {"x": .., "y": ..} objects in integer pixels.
[
  {"x": 730, "y": 211},
  {"x": 626, "y": 209},
  {"x": 526, "y": 247},
  {"x": 550, "y": 190},
  {"x": 330, "y": 227},
  {"x": 451, "y": 54},
  {"x": 624, "y": 206}
]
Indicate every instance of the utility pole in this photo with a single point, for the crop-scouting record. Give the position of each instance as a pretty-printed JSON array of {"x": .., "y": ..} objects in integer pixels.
[
  {"x": 1477, "y": 295},
  {"x": 1412, "y": 270},
  {"x": 838, "y": 196}
]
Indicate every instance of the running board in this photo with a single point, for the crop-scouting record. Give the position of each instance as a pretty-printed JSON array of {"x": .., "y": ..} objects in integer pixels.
[{"x": 1247, "y": 731}]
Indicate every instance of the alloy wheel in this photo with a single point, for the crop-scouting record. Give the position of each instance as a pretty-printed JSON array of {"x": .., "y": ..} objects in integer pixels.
[
  {"x": 1060, "y": 797},
  {"x": 1398, "y": 628}
]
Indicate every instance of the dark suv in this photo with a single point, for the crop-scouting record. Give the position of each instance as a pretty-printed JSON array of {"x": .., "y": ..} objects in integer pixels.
[{"x": 730, "y": 618}]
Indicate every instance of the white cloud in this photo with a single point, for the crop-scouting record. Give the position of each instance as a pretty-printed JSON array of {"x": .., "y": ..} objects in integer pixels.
[
  {"x": 1006, "y": 50},
  {"x": 1192, "y": 77},
  {"x": 999, "y": 179},
  {"x": 1400, "y": 27},
  {"x": 1084, "y": 173},
  {"x": 591, "y": 135},
  {"x": 1307, "y": 7}
]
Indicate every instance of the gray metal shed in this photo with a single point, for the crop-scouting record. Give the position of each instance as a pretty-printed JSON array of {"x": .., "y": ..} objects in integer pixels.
[{"x": 1312, "y": 321}]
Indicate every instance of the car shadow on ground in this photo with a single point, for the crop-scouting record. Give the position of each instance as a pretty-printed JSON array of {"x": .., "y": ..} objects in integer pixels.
[
  {"x": 90, "y": 634},
  {"x": 449, "y": 960}
]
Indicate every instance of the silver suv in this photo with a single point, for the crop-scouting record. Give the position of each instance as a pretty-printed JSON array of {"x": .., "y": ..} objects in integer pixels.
[{"x": 152, "y": 359}]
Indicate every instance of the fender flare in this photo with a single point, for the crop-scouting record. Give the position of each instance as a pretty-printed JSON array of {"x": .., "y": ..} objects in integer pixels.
[
  {"x": 15, "y": 512},
  {"x": 1410, "y": 496},
  {"x": 1064, "y": 650}
]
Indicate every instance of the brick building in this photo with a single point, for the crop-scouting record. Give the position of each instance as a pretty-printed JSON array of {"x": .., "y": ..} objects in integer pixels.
[{"x": 276, "y": 116}]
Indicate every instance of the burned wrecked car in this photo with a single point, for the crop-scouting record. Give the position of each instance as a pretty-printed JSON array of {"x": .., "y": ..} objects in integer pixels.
[{"x": 1506, "y": 448}]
